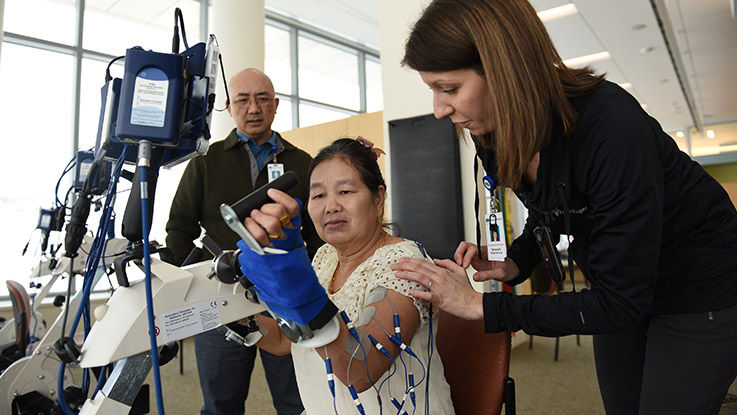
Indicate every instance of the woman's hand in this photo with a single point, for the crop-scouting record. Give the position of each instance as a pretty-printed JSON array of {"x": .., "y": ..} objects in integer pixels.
[
  {"x": 467, "y": 254},
  {"x": 266, "y": 222},
  {"x": 447, "y": 284}
]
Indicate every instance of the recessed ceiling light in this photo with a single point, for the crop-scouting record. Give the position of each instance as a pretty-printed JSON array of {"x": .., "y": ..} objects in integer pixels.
[
  {"x": 557, "y": 12},
  {"x": 586, "y": 59},
  {"x": 710, "y": 133},
  {"x": 680, "y": 134},
  {"x": 639, "y": 26},
  {"x": 626, "y": 85}
]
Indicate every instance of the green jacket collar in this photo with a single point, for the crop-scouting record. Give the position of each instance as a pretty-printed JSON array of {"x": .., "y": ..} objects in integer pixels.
[{"x": 233, "y": 140}]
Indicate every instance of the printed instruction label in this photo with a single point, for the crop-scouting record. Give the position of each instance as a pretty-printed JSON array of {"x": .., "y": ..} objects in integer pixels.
[
  {"x": 149, "y": 98},
  {"x": 190, "y": 320},
  {"x": 84, "y": 170}
]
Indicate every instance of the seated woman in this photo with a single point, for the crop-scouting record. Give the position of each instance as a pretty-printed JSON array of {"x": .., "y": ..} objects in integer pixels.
[{"x": 346, "y": 204}]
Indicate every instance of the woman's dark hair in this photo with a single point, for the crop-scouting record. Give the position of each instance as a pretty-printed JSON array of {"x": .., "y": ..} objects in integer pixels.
[
  {"x": 506, "y": 43},
  {"x": 362, "y": 158}
]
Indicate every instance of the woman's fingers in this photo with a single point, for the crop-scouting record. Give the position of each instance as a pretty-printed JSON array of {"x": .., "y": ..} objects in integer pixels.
[
  {"x": 412, "y": 272},
  {"x": 503, "y": 271},
  {"x": 257, "y": 231},
  {"x": 288, "y": 202},
  {"x": 278, "y": 211},
  {"x": 494, "y": 274},
  {"x": 422, "y": 295},
  {"x": 449, "y": 265},
  {"x": 465, "y": 253},
  {"x": 266, "y": 222},
  {"x": 414, "y": 265}
]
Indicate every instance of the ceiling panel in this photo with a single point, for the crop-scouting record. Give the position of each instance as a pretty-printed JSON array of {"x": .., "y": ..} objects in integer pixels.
[
  {"x": 99, "y": 4},
  {"x": 190, "y": 12},
  {"x": 541, "y": 5},
  {"x": 628, "y": 29},
  {"x": 357, "y": 21},
  {"x": 141, "y": 10},
  {"x": 562, "y": 30},
  {"x": 706, "y": 35},
  {"x": 611, "y": 69}
]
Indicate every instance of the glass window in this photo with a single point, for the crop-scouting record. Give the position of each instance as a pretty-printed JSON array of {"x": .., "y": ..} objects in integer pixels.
[
  {"x": 210, "y": 18},
  {"x": 113, "y": 28},
  {"x": 311, "y": 115},
  {"x": 283, "y": 120},
  {"x": 328, "y": 74},
  {"x": 43, "y": 19},
  {"x": 374, "y": 94},
  {"x": 278, "y": 58},
  {"x": 37, "y": 131},
  {"x": 93, "y": 78}
]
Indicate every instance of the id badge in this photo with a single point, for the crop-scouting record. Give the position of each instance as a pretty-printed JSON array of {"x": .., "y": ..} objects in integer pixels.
[
  {"x": 496, "y": 240},
  {"x": 275, "y": 170}
]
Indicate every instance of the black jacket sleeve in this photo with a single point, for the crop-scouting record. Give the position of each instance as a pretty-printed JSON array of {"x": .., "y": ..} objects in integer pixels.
[
  {"x": 618, "y": 168},
  {"x": 524, "y": 251}
]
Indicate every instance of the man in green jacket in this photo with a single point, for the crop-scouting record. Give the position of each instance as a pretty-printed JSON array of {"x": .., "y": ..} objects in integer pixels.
[{"x": 231, "y": 169}]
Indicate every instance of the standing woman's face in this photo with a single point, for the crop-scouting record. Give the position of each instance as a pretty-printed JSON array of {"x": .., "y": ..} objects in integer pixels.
[{"x": 462, "y": 95}]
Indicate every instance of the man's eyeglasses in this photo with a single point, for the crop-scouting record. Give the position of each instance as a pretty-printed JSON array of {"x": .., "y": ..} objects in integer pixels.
[{"x": 261, "y": 101}]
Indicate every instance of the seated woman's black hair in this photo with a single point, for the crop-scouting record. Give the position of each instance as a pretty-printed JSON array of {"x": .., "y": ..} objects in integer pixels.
[{"x": 357, "y": 155}]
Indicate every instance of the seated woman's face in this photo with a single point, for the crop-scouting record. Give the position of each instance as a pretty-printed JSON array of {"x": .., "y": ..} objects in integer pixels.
[{"x": 341, "y": 206}]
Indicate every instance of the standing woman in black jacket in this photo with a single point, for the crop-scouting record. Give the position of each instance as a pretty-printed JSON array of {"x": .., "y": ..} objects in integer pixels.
[{"x": 653, "y": 233}]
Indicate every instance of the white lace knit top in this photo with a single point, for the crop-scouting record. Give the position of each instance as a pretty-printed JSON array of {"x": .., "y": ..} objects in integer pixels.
[{"x": 372, "y": 273}]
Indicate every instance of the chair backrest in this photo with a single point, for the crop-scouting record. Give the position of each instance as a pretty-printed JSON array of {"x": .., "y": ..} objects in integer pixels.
[
  {"x": 21, "y": 312},
  {"x": 476, "y": 364}
]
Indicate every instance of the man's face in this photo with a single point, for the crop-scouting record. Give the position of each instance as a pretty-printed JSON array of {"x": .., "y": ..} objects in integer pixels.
[{"x": 253, "y": 104}]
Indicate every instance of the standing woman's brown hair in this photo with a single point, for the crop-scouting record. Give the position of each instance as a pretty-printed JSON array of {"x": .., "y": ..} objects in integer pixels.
[{"x": 505, "y": 42}]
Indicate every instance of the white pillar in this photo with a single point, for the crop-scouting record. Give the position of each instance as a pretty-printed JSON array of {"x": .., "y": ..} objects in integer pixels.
[
  {"x": 2, "y": 13},
  {"x": 239, "y": 27}
]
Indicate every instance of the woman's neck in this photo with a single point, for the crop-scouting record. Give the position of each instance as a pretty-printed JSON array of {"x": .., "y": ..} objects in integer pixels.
[
  {"x": 531, "y": 173},
  {"x": 351, "y": 257}
]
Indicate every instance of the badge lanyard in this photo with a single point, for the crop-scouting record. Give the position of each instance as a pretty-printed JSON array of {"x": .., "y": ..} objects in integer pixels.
[
  {"x": 496, "y": 240},
  {"x": 275, "y": 169}
]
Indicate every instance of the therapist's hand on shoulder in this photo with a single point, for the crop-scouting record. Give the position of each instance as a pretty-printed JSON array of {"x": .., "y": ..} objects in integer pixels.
[
  {"x": 467, "y": 254},
  {"x": 447, "y": 284}
]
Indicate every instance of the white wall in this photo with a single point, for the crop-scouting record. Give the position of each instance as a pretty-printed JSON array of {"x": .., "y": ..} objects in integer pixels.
[
  {"x": 405, "y": 95},
  {"x": 2, "y": 7}
]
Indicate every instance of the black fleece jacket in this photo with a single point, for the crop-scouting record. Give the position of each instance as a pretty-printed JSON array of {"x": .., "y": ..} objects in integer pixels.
[{"x": 652, "y": 232}]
